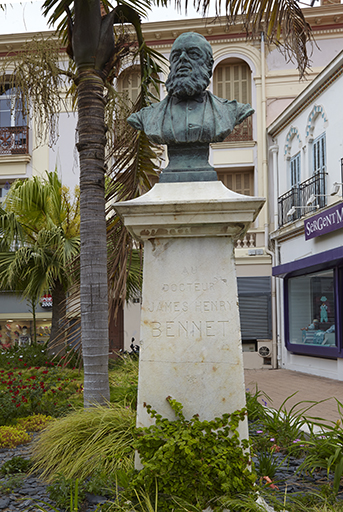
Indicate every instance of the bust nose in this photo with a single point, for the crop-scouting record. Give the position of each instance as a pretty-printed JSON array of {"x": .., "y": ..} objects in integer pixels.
[{"x": 184, "y": 55}]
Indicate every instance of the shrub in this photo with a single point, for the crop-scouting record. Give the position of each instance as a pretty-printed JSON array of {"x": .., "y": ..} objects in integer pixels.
[
  {"x": 88, "y": 440},
  {"x": 34, "y": 423},
  {"x": 193, "y": 460},
  {"x": 10, "y": 437},
  {"x": 22, "y": 357},
  {"x": 15, "y": 465},
  {"x": 64, "y": 491}
]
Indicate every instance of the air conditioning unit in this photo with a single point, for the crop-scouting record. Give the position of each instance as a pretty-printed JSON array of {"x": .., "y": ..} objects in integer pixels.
[{"x": 264, "y": 348}]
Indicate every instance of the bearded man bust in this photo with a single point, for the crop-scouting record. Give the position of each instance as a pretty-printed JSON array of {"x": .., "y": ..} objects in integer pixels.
[{"x": 190, "y": 117}]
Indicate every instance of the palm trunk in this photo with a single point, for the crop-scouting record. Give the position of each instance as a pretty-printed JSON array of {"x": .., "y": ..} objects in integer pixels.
[
  {"x": 56, "y": 343},
  {"x": 93, "y": 257},
  {"x": 34, "y": 321}
]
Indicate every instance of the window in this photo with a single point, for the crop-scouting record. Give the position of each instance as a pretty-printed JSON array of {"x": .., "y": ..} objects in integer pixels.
[
  {"x": 232, "y": 81},
  {"x": 319, "y": 170},
  {"x": 319, "y": 154},
  {"x": 313, "y": 312},
  {"x": 3, "y": 191},
  {"x": 311, "y": 304},
  {"x": 241, "y": 182},
  {"x": 129, "y": 84},
  {"x": 13, "y": 125},
  {"x": 295, "y": 170}
]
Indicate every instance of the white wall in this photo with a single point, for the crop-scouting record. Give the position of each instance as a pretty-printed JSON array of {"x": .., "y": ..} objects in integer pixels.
[{"x": 64, "y": 155}]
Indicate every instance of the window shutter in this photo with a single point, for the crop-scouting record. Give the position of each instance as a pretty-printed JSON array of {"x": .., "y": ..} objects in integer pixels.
[
  {"x": 240, "y": 182},
  {"x": 254, "y": 297}
]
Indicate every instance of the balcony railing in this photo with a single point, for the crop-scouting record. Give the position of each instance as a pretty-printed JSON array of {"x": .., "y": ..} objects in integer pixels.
[
  {"x": 298, "y": 197},
  {"x": 14, "y": 140},
  {"x": 242, "y": 132}
]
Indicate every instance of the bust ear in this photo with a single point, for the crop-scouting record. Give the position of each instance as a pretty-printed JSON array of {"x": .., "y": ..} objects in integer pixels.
[{"x": 210, "y": 67}]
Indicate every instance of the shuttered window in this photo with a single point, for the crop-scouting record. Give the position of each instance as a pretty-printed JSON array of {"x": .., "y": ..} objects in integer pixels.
[
  {"x": 232, "y": 81},
  {"x": 254, "y": 297},
  {"x": 319, "y": 154},
  {"x": 129, "y": 84},
  {"x": 295, "y": 170},
  {"x": 241, "y": 182}
]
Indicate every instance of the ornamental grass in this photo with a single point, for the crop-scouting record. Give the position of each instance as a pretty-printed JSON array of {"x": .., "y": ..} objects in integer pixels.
[{"x": 95, "y": 439}]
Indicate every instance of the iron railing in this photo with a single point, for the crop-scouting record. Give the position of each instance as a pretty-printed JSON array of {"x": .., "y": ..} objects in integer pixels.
[
  {"x": 241, "y": 132},
  {"x": 14, "y": 140},
  {"x": 299, "y": 196}
]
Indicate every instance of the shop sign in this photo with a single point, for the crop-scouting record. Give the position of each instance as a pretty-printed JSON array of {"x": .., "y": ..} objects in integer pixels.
[
  {"x": 324, "y": 222},
  {"x": 46, "y": 301}
]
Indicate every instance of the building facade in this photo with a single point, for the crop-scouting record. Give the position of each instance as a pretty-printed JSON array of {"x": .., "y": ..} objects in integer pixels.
[
  {"x": 250, "y": 72},
  {"x": 306, "y": 145}
]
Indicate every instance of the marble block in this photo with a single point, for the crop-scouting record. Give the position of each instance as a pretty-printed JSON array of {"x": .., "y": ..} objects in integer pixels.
[{"x": 190, "y": 329}]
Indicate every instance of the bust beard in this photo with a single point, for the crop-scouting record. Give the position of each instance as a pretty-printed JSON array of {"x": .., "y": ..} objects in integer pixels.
[{"x": 188, "y": 86}]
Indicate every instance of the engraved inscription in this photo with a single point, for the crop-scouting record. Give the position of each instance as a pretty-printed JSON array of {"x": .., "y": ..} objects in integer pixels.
[
  {"x": 188, "y": 287},
  {"x": 198, "y": 306},
  {"x": 190, "y": 328}
]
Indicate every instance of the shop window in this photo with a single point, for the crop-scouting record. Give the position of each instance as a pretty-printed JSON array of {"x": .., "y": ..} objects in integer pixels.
[
  {"x": 241, "y": 182},
  {"x": 232, "y": 81},
  {"x": 13, "y": 124},
  {"x": 311, "y": 310}
]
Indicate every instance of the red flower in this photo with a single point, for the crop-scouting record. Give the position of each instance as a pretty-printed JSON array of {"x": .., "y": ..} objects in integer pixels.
[
  {"x": 45, "y": 372},
  {"x": 17, "y": 405}
]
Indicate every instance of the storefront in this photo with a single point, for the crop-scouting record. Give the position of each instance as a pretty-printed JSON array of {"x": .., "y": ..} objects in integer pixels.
[
  {"x": 313, "y": 304},
  {"x": 16, "y": 320}
]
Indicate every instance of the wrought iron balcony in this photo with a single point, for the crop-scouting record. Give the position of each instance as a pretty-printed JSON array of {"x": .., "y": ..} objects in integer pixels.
[
  {"x": 298, "y": 198},
  {"x": 241, "y": 132},
  {"x": 14, "y": 140}
]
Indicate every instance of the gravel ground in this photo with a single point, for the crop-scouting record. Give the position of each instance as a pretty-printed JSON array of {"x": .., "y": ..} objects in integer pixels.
[{"x": 31, "y": 489}]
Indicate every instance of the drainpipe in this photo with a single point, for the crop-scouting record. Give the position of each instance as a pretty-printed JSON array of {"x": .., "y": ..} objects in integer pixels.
[
  {"x": 266, "y": 194},
  {"x": 264, "y": 142},
  {"x": 277, "y": 348}
]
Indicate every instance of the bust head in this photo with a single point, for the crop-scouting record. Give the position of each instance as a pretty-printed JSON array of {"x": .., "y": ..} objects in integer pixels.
[{"x": 191, "y": 64}]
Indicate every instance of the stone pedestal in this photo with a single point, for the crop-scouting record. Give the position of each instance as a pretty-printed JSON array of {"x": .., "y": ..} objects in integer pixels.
[{"x": 190, "y": 329}]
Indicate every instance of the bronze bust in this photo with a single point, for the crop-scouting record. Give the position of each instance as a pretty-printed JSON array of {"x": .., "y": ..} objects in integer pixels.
[{"x": 190, "y": 117}]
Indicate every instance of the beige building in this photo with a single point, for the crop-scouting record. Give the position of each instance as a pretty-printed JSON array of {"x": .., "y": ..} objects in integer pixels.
[{"x": 247, "y": 71}]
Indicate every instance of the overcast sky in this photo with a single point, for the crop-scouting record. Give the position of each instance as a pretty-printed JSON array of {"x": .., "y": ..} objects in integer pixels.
[{"x": 25, "y": 16}]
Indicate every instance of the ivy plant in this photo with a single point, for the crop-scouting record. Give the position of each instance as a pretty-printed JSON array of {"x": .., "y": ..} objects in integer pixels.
[{"x": 192, "y": 460}]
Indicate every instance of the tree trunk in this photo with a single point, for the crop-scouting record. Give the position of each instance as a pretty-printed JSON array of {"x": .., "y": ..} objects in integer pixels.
[
  {"x": 93, "y": 256},
  {"x": 56, "y": 343},
  {"x": 33, "y": 307}
]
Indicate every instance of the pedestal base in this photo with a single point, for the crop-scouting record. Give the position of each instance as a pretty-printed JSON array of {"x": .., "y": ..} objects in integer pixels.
[
  {"x": 191, "y": 346},
  {"x": 190, "y": 328}
]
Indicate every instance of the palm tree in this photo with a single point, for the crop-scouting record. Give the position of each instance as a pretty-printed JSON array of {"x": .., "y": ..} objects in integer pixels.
[
  {"x": 95, "y": 52},
  {"x": 39, "y": 238}
]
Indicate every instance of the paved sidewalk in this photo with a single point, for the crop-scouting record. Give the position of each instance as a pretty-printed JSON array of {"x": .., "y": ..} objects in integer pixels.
[{"x": 280, "y": 384}]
